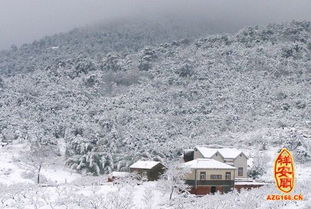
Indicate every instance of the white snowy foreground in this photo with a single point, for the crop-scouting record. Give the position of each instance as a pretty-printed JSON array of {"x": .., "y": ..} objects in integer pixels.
[
  {"x": 66, "y": 190},
  {"x": 126, "y": 196}
]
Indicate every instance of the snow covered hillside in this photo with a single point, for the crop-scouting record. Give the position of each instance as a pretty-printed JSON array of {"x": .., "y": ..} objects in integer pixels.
[{"x": 251, "y": 88}]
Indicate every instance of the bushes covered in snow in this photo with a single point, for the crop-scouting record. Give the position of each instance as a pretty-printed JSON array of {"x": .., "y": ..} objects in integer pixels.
[{"x": 145, "y": 196}]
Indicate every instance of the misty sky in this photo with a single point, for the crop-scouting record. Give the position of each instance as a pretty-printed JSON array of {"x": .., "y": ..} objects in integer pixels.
[{"x": 23, "y": 21}]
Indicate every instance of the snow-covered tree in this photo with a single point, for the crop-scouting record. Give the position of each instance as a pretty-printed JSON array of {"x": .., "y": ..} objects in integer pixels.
[{"x": 172, "y": 181}]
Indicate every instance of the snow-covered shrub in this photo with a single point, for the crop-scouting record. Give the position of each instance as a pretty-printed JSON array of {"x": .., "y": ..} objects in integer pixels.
[
  {"x": 122, "y": 78},
  {"x": 28, "y": 174},
  {"x": 302, "y": 154},
  {"x": 259, "y": 165},
  {"x": 185, "y": 70},
  {"x": 112, "y": 62},
  {"x": 88, "y": 163},
  {"x": 147, "y": 57},
  {"x": 299, "y": 142},
  {"x": 172, "y": 181},
  {"x": 144, "y": 65},
  {"x": 256, "y": 171}
]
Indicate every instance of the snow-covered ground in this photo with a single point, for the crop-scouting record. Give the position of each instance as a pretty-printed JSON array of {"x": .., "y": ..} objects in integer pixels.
[
  {"x": 14, "y": 182},
  {"x": 66, "y": 189},
  {"x": 10, "y": 172},
  {"x": 13, "y": 170}
]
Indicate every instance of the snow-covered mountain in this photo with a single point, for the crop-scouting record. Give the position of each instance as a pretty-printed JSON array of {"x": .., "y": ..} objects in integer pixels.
[
  {"x": 95, "y": 41},
  {"x": 113, "y": 103}
]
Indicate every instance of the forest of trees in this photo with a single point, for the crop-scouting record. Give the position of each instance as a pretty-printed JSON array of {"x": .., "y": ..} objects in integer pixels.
[{"x": 114, "y": 103}]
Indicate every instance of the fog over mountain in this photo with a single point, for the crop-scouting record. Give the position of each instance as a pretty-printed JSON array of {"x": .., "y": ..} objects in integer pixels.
[{"x": 25, "y": 21}]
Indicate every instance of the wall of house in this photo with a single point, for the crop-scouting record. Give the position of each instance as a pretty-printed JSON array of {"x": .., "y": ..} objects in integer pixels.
[
  {"x": 218, "y": 157},
  {"x": 156, "y": 172},
  {"x": 197, "y": 154},
  {"x": 151, "y": 174},
  {"x": 141, "y": 172},
  {"x": 240, "y": 161},
  {"x": 188, "y": 156},
  {"x": 203, "y": 190},
  {"x": 229, "y": 161},
  {"x": 209, "y": 172}
]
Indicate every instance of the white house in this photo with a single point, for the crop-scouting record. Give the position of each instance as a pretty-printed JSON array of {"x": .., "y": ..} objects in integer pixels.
[
  {"x": 209, "y": 176},
  {"x": 230, "y": 156}
]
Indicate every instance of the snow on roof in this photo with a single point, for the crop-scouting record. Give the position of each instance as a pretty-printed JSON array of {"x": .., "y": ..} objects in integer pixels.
[
  {"x": 120, "y": 174},
  {"x": 188, "y": 150},
  {"x": 206, "y": 152},
  {"x": 144, "y": 164},
  {"x": 229, "y": 153},
  {"x": 207, "y": 163}
]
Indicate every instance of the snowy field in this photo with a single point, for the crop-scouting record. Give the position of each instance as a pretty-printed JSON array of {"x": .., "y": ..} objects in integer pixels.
[{"x": 64, "y": 189}]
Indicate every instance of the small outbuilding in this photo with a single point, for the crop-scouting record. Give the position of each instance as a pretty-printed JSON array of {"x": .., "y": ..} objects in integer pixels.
[{"x": 152, "y": 170}]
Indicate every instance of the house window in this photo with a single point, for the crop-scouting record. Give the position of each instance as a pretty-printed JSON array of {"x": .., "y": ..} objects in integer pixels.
[
  {"x": 216, "y": 177},
  {"x": 202, "y": 175},
  {"x": 228, "y": 175},
  {"x": 240, "y": 171}
]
